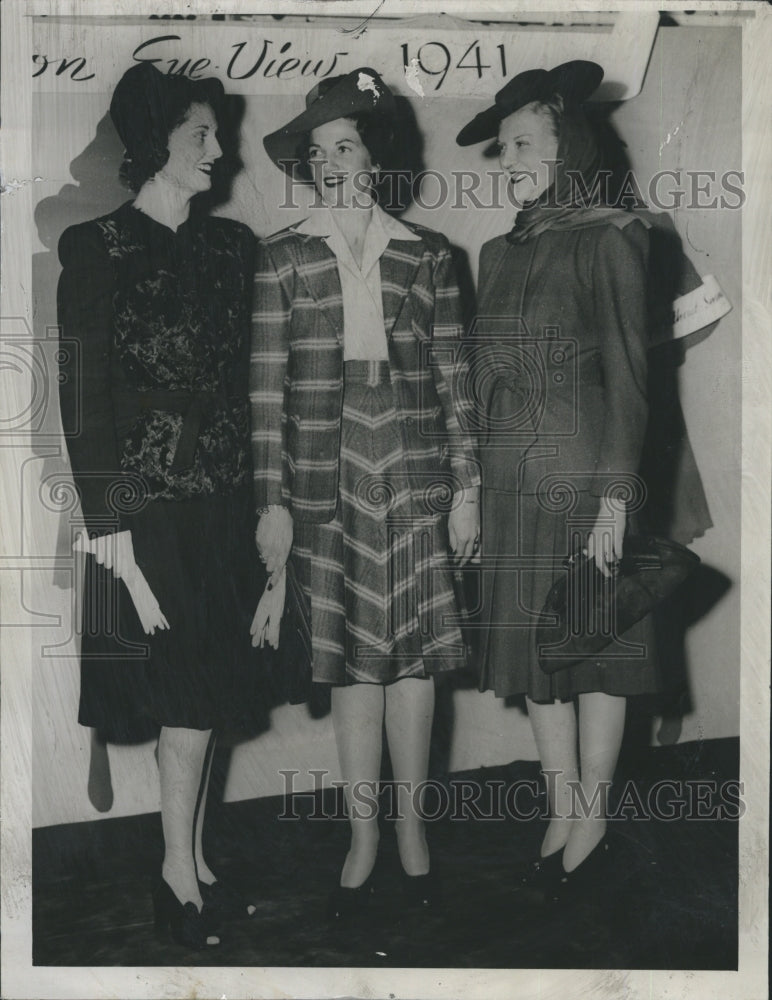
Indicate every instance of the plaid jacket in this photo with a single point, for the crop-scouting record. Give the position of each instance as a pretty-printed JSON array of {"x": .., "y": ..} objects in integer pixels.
[{"x": 296, "y": 377}]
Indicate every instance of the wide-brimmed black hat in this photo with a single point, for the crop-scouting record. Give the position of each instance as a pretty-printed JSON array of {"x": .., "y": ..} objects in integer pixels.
[
  {"x": 147, "y": 104},
  {"x": 336, "y": 97},
  {"x": 574, "y": 81}
]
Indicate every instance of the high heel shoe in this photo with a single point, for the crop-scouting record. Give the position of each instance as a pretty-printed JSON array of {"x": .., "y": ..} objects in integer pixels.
[
  {"x": 542, "y": 872},
  {"x": 345, "y": 902},
  {"x": 588, "y": 876},
  {"x": 188, "y": 925},
  {"x": 225, "y": 902},
  {"x": 421, "y": 891}
]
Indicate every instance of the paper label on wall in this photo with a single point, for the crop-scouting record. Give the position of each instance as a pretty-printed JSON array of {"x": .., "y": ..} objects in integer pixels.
[{"x": 699, "y": 308}]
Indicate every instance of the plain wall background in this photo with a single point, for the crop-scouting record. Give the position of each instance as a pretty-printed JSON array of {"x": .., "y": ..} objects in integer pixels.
[{"x": 687, "y": 116}]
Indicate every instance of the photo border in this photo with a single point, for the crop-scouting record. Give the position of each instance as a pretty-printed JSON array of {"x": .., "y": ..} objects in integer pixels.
[{"x": 20, "y": 979}]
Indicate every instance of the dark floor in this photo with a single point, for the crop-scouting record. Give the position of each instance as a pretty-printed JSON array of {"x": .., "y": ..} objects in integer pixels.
[{"x": 668, "y": 901}]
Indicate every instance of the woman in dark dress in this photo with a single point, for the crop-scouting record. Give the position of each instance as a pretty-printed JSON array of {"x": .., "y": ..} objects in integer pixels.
[
  {"x": 360, "y": 463},
  {"x": 159, "y": 298},
  {"x": 563, "y": 299}
]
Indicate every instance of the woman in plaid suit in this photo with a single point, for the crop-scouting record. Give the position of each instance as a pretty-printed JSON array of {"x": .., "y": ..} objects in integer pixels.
[{"x": 364, "y": 477}]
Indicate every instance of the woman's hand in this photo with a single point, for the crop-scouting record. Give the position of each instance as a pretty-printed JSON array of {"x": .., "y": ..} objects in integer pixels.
[
  {"x": 274, "y": 539},
  {"x": 605, "y": 541},
  {"x": 267, "y": 620},
  {"x": 116, "y": 552},
  {"x": 464, "y": 525}
]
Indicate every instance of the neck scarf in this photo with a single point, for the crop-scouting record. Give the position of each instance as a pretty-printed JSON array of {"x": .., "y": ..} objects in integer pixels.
[{"x": 562, "y": 205}]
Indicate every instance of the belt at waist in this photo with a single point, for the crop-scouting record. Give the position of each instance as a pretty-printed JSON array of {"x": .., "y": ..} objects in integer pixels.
[
  {"x": 370, "y": 372},
  {"x": 588, "y": 371},
  {"x": 191, "y": 404}
]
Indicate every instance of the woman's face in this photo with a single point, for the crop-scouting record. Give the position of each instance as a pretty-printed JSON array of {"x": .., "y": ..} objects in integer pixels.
[
  {"x": 527, "y": 151},
  {"x": 193, "y": 149},
  {"x": 340, "y": 164}
]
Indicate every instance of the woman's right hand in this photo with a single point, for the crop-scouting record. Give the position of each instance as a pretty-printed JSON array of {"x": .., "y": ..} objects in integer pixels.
[
  {"x": 274, "y": 539},
  {"x": 115, "y": 552},
  {"x": 606, "y": 540}
]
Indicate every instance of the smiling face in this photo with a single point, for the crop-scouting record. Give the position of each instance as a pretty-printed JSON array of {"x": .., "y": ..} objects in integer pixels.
[
  {"x": 193, "y": 149},
  {"x": 527, "y": 146},
  {"x": 340, "y": 163}
]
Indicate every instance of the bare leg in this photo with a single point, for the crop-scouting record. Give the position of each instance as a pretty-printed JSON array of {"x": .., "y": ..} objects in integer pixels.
[
  {"x": 357, "y": 717},
  {"x": 554, "y": 729},
  {"x": 601, "y": 728},
  {"x": 409, "y": 715},
  {"x": 181, "y": 756},
  {"x": 204, "y": 872}
]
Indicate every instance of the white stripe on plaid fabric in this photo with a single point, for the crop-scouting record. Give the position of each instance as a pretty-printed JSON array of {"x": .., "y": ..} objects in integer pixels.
[
  {"x": 377, "y": 577},
  {"x": 297, "y": 329}
]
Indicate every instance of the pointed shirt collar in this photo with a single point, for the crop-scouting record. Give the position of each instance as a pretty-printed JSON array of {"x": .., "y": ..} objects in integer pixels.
[{"x": 321, "y": 223}]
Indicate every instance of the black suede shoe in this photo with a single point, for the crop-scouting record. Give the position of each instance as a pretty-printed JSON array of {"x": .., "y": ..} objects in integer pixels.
[
  {"x": 588, "y": 878},
  {"x": 224, "y": 902},
  {"x": 188, "y": 925},
  {"x": 345, "y": 903},
  {"x": 542, "y": 873},
  {"x": 421, "y": 891}
]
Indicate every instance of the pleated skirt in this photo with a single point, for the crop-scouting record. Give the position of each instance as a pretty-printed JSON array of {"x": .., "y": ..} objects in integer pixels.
[
  {"x": 377, "y": 578},
  {"x": 200, "y": 561},
  {"x": 525, "y": 543}
]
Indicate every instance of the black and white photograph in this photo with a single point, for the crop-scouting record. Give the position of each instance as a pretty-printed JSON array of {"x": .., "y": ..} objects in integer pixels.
[{"x": 385, "y": 451}]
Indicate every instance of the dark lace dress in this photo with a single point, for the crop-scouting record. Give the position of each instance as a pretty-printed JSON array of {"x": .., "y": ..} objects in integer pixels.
[{"x": 156, "y": 402}]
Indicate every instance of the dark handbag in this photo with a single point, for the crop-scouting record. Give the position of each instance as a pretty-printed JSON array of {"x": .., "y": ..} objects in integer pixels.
[
  {"x": 289, "y": 667},
  {"x": 585, "y": 610}
]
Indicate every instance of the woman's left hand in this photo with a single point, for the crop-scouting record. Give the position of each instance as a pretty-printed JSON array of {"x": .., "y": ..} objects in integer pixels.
[
  {"x": 267, "y": 620},
  {"x": 464, "y": 528},
  {"x": 605, "y": 541}
]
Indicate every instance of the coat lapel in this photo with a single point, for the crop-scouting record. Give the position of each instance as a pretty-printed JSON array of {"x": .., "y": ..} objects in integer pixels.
[
  {"x": 317, "y": 267},
  {"x": 399, "y": 267}
]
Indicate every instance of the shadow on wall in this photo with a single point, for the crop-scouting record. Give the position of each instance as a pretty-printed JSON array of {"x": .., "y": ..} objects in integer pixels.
[
  {"x": 676, "y": 505},
  {"x": 400, "y": 187},
  {"x": 98, "y": 190},
  {"x": 674, "y": 477}
]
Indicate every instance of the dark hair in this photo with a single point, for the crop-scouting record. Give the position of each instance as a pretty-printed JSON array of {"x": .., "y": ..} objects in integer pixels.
[
  {"x": 146, "y": 107},
  {"x": 376, "y": 131},
  {"x": 145, "y": 163}
]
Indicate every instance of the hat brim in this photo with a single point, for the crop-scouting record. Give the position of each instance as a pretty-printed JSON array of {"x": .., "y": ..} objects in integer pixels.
[
  {"x": 484, "y": 125},
  {"x": 145, "y": 98},
  {"x": 343, "y": 101},
  {"x": 575, "y": 81}
]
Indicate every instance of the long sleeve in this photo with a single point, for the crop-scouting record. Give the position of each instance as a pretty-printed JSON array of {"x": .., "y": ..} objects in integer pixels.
[
  {"x": 85, "y": 312},
  {"x": 619, "y": 276},
  {"x": 239, "y": 373},
  {"x": 450, "y": 372},
  {"x": 268, "y": 380}
]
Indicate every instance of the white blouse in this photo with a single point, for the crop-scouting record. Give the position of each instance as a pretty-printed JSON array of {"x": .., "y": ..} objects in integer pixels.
[{"x": 364, "y": 332}]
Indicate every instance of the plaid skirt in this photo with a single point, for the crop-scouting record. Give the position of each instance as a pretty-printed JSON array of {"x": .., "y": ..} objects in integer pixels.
[{"x": 377, "y": 578}]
